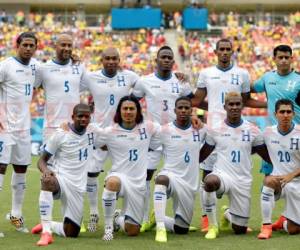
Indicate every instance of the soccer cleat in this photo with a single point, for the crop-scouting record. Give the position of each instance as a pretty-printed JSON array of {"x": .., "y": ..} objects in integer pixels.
[
  {"x": 204, "y": 224},
  {"x": 45, "y": 240},
  {"x": 213, "y": 232},
  {"x": 18, "y": 223},
  {"x": 192, "y": 229},
  {"x": 93, "y": 223},
  {"x": 108, "y": 234},
  {"x": 278, "y": 225},
  {"x": 161, "y": 235},
  {"x": 224, "y": 222},
  {"x": 82, "y": 228},
  {"x": 147, "y": 226},
  {"x": 37, "y": 229},
  {"x": 115, "y": 224},
  {"x": 265, "y": 232}
]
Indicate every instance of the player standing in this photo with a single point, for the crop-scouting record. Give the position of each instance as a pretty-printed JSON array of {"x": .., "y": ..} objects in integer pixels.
[
  {"x": 17, "y": 76},
  {"x": 179, "y": 177},
  {"x": 214, "y": 82},
  {"x": 233, "y": 140},
  {"x": 160, "y": 89},
  {"x": 283, "y": 145},
  {"x": 67, "y": 179}
]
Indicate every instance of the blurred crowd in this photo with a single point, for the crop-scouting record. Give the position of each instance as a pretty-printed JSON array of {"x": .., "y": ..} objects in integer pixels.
[{"x": 253, "y": 44}]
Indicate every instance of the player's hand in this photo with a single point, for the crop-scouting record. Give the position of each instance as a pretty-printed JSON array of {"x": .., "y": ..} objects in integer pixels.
[
  {"x": 48, "y": 174},
  {"x": 196, "y": 122},
  {"x": 284, "y": 179},
  {"x": 1, "y": 127},
  {"x": 64, "y": 126},
  {"x": 75, "y": 59},
  {"x": 104, "y": 148},
  {"x": 182, "y": 77}
]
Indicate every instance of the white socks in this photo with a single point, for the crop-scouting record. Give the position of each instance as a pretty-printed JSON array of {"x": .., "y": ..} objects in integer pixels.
[
  {"x": 46, "y": 206},
  {"x": 109, "y": 206},
  {"x": 160, "y": 203},
  {"x": 18, "y": 185},
  {"x": 201, "y": 192},
  {"x": 58, "y": 228},
  {"x": 267, "y": 204},
  {"x": 92, "y": 192},
  {"x": 147, "y": 202},
  {"x": 210, "y": 207},
  {"x": 120, "y": 220}
]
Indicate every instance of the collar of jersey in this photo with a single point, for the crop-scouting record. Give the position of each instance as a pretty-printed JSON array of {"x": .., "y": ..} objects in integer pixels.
[
  {"x": 20, "y": 61},
  {"x": 292, "y": 71},
  {"x": 182, "y": 128},
  {"x": 56, "y": 62},
  {"x": 234, "y": 126},
  {"x": 226, "y": 69},
  {"x": 164, "y": 79},
  {"x": 128, "y": 129},
  {"x": 106, "y": 75},
  {"x": 73, "y": 129},
  {"x": 289, "y": 131}
]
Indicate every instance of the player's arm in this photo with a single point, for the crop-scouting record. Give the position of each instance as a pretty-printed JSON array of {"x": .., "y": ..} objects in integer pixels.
[
  {"x": 284, "y": 179},
  {"x": 252, "y": 103},
  {"x": 262, "y": 151},
  {"x": 198, "y": 98},
  {"x": 205, "y": 151},
  {"x": 42, "y": 164}
]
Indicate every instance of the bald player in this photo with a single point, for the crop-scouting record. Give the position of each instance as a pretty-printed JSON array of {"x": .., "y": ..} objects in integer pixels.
[{"x": 107, "y": 86}]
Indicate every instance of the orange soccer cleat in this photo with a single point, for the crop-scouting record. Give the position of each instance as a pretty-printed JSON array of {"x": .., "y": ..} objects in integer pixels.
[
  {"x": 278, "y": 225},
  {"x": 204, "y": 224},
  {"x": 265, "y": 232},
  {"x": 45, "y": 240},
  {"x": 37, "y": 229}
]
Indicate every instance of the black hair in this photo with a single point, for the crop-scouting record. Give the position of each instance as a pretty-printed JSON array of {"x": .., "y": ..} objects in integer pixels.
[
  {"x": 139, "y": 117},
  {"x": 283, "y": 102},
  {"x": 223, "y": 40},
  {"x": 282, "y": 48},
  {"x": 26, "y": 35},
  {"x": 164, "y": 48},
  {"x": 183, "y": 98}
]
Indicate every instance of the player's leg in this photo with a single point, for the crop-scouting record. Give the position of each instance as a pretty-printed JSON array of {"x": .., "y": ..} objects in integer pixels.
[
  {"x": 291, "y": 227},
  {"x": 160, "y": 203},
  {"x": 49, "y": 187},
  {"x": 212, "y": 183},
  {"x": 2, "y": 173},
  {"x": 109, "y": 196},
  {"x": 204, "y": 219},
  {"x": 153, "y": 159},
  {"x": 270, "y": 188},
  {"x": 92, "y": 193}
]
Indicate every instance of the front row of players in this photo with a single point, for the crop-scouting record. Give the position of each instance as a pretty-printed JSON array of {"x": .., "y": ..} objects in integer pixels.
[{"x": 128, "y": 141}]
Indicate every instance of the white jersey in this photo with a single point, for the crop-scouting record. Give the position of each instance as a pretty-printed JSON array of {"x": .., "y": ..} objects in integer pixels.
[
  {"x": 233, "y": 146},
  {"x": 62, "y": 85},
  {"x": 218, "y": 82},
  {"x": 107, "y": 92},
  {"x": 72, "y": 153},
  {"x": 16, "y": 85},
  {"x": 128, "y": 149},
  {"x": 283, "y": 149},
  {"x": 181, "y": 149},
  {"x": 160, "y": 96}
]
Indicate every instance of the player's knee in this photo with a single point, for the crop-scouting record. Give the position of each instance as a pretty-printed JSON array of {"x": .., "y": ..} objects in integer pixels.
[
  {"x": 3, "y": 168},
  {"x": 150, "y": 173},
  {"x": 271, "y": 182},
  {"x": 71, "y": 229},
  {"x": 20, "y": 169},
  {"x": 132, "y": 229},
  {"x": 211, "y": 183},
  {"x": 180, "y": 230},
  {"x": 113, "y": 183},
  {"x": 293, "y": 228},
  {"x": 93, "y": 175},
  {"x": 162, "y": 180},
  {"x": 205, "y": 173},
  {"x": 239, "y": 229}
]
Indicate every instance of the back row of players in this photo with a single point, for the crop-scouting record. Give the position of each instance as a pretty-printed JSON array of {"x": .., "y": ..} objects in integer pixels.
[{"x": 63, "y": 81}]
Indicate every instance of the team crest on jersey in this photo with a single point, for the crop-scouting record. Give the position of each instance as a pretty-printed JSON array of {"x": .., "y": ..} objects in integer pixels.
[
  {"x": 32, "y": 66},
  {"x": 143, "y": 133},
  {"x": 91, "y": 138},
  {"x": 121, "y": 81},
  {"x": 245, "y": 135},
  {"x": 196, "y": 136},
  {"x": 75, "y": 70},
  {"x": 294, "y": 144},
  {"x": 235, "y": 79},
  {"x": 175, "y": 87}
]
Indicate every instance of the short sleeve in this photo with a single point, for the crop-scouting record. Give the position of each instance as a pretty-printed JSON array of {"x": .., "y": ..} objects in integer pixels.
[
  {"x": 84, "y": 81},
  {"x": 209, "y": 139},
  {"x": 246, "y": 82},
  {"x": 259, "y": 85},
  {"x": 2, "y": 72},
  {"x": 201, "y": 82},
  {"x": 38, "y": 75},
  {"x": 138, "y": 89},
  {"x": 133, "y": 78},
  {"x": 258, "y": 139},
  {"x": 101, "y": 136},
  {"x": 186, "y": 89},
  {"x": 156, "y": 139},
  {"x": 53, "y": 143}
]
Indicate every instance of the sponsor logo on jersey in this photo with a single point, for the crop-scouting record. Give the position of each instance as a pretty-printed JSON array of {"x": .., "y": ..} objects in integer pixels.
[
  {"x": 121, "y": 136},
  {"x": 19, "y": 71},
  {"x": 155, "y": 87},
  {"x": 272, "y": 83},
  {"x": 101, "y": 81},
  {"x": 54, "y": 70},
  {"x": 175, "y": 136},
  {"x": 275, "y": 142}
]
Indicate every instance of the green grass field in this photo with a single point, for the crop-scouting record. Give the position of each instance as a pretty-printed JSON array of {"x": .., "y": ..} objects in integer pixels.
[{"x": 195, "y": 240}]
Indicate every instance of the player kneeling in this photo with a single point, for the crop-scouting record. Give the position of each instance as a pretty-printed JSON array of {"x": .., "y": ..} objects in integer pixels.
[
  {"x": 282, "y": 141},
  {"x": 233, "y": 140},
  {"x": 67, "y": 180},
  {"x": 128, "y": 141},
  {"x": 179, "y": 177}
]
